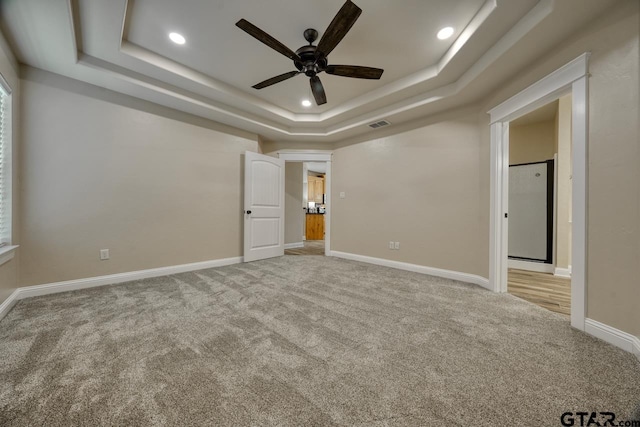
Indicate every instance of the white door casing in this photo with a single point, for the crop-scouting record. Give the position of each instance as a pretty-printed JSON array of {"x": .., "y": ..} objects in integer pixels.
[
  {"x": 571, "y": 78},
  {"x": 263, "y": 207},
  {"x": 316, "y": 156}
]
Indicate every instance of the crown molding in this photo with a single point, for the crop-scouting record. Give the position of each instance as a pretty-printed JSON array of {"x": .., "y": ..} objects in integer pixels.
[{"x": 283, "y": 121}]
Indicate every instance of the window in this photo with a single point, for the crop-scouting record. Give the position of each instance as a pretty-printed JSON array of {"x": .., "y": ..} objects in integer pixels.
[{"x": 5, "y": 163}]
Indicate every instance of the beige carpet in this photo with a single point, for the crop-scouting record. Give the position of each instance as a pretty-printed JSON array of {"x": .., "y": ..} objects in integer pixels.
[{"x": 302, "y": 341}]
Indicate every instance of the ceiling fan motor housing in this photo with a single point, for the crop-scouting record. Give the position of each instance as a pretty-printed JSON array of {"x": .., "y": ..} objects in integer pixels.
[{"x": 310, "y": 65}]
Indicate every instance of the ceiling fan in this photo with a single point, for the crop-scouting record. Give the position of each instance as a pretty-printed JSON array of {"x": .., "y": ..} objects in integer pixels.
[{"x": 312, "y": 60}]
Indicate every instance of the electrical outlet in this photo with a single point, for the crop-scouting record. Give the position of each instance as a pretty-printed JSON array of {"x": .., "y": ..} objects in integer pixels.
[
  {"x": 396, "y": 245},
  {"x": 390, "y": 245},
  {"x": 104, "y": 254}
]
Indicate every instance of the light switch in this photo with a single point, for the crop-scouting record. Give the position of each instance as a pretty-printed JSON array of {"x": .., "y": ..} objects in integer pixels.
[{"x": 343, "y": 195}]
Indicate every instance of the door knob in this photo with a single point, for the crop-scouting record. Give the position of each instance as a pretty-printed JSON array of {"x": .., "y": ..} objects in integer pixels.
[{"x": 248, "y": 212}]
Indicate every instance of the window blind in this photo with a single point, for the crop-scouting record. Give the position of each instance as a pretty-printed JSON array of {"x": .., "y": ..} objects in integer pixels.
[{"x": 4, "y": 169}]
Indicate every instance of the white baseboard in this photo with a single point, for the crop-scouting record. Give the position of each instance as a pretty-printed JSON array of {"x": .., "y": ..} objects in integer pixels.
[
  {"x": 8, "y": 304},
  {"x": 90, "y": 282},
  {"x": 447, "y": 274},
  {"x": 613, "y": 336},
  {"x": 294, "y": 245},
  {"x": 562, "y": 272},
  {"x": 539, "y": 267}
]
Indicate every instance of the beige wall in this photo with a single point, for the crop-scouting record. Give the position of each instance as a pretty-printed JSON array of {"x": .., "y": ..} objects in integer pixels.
[
  {"x": 9, "y": 70},
  {"x": 97, "y": 174},
  {"x": 535, "y": 142},
  {"x": 564, "y": 197},
  {"x": 293, "y": 213},
  {"x": 613, "y": 230},
  {"x": 420, "y": 188},
  {"x": 614, "y": 176},
  {"x": 410, "y": 180}
]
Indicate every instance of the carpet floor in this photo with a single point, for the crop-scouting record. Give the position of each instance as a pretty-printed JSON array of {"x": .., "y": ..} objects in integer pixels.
[{"x": 302, "y": 341}]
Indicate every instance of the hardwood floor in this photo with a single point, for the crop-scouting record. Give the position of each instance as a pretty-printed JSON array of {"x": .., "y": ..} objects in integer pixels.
[
  {"x": 545, "y": 290},
  {"x": 311, "y": 247}
]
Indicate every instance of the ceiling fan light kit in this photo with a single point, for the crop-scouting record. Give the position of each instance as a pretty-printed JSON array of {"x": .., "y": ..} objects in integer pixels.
[
  {"x": 177, "y": 38},
  {"x": 445, "y": 33},
  {"x": 312, "y": 60}
]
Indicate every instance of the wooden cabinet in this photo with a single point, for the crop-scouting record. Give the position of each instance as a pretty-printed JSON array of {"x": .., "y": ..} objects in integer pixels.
[
  {"x": 311, "y": 188},
  {"x": 315, "y": 188},
  {"x": 320, "y": 190},
  {"x": 315, "y": 227}
]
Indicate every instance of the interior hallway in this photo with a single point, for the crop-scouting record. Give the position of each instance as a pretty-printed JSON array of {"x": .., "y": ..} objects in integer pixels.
[
  {"x": 311, "y": 247},
  {"x": 543, "y": 289}
]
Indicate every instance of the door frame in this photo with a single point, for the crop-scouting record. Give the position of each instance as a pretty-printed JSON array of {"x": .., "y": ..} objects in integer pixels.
[
  {"x": 571, "y": 78},
  {"x": 316, "y": 156}
]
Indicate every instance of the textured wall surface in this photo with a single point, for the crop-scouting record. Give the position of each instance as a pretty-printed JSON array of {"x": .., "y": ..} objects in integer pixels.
[
  {"x": 420, "y": 188},
  {"x": 293, "y": 214},
  {"x": 535, "y": 142},
  {"x": 614, "y": 175},
  {"x": 97, "y": 174}
]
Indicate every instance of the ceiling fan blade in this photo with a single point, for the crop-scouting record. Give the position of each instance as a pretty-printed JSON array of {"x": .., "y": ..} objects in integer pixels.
[
  {"x": 338, "y": 28},
  {"x": 265, "y": 38},
  {"x": 318, "y": 90},
  {"x": 276, "y": 79},
  {"x": 355, "y": 71}
]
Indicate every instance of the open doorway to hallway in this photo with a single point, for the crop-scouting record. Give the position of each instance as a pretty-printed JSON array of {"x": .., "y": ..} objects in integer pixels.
[
  {"x": 572, "y": 78},
  {"x": 306, "y": 207},
  {"x": 539, "y": 200},
  {"x": 310, "y": 247}
]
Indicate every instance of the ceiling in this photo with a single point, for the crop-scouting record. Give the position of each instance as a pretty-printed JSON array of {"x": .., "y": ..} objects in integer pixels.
[
  {"x": 318, "y": 167},
  {"x": 123, "y": 45},
  {"x": 543, "y": 114}
]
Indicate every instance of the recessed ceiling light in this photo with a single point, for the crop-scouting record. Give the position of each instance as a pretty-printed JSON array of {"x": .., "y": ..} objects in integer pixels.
[
  {"x": 306, "y": 103},
  {"x": 445, "y": 33},
  {"x": 177, "y": 38}
]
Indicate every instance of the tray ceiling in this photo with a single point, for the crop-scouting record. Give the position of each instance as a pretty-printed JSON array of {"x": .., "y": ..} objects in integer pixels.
[{"x": 124, "y": 46}]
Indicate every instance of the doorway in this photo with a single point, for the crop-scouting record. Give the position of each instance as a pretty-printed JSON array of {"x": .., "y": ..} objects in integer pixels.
[
  {"x": 572, "y": 79},
  {"x": 539, "y": 201},
  {"x": 305, "y": 208},
  {"x": 308, "y": 169}
]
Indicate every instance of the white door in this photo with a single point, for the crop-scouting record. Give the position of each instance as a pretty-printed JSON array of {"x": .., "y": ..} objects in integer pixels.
[
  {"x": 529, "y": 211},
  {"x": 263, "y": 207}
]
